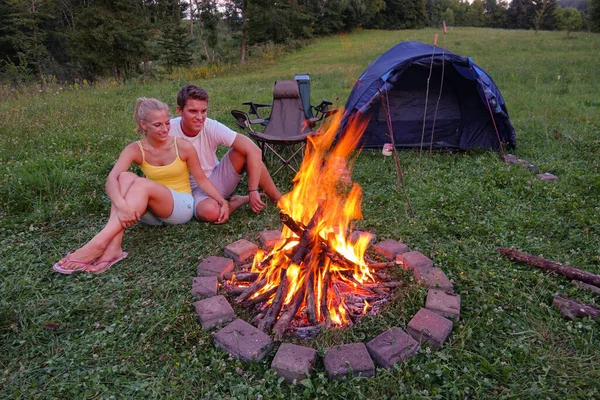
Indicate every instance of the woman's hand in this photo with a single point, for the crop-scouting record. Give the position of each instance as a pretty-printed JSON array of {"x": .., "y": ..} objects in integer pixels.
[
  {"x": 128, "y": 216},
  {"x": 223, "y": 213}
]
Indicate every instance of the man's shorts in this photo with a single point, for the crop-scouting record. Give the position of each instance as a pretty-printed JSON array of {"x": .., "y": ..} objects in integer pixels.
[
  {"x": 224, "y": 177},
  {"x": 183, "y": 211}
]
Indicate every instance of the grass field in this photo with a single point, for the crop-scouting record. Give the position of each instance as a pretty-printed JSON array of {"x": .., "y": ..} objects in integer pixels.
[{"x": 132, "y": 332}]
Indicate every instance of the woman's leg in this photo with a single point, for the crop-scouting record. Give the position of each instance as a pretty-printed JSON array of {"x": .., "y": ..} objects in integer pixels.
[{"x": 141, "y": 194}]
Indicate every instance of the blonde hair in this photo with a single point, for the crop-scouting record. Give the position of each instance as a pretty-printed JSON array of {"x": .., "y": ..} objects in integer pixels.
[{"x": 144, "y": 106}]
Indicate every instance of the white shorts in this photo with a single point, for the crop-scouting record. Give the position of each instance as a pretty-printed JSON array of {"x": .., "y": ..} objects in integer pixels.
[
  {"x": 224, "y": 177},
  {"x": 183, "y": 211}
]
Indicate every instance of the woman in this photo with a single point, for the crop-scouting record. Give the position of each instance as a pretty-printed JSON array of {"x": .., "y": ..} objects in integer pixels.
[{"x": 163, "y": 197}]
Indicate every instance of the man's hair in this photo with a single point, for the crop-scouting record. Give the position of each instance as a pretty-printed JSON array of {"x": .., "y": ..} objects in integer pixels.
[{"x": 190, "y": 92}]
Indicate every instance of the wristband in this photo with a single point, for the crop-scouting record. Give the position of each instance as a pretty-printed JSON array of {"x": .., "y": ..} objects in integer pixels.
[{"x": 252, "y": 190}]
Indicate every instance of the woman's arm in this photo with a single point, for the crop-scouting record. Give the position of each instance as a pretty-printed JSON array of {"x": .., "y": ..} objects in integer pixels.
[
  {"x": 187, "y": 152},
  {"x": 126, "y": 214}
]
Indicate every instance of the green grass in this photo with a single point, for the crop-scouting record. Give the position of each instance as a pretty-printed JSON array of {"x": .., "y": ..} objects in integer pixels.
[{"x": 132, "y": 333}]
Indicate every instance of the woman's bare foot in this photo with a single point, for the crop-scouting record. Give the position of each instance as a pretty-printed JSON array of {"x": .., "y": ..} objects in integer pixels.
[
  {"x": 109, "y": 256},
  {"x": 78, "y": 258}
]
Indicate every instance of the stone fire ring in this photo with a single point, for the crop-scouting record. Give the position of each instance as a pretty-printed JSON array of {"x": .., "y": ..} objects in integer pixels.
[{"x": 431, "y": 325}]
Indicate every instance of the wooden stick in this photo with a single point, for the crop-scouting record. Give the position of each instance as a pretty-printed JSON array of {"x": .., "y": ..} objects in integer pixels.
[
  {"x": 392, "y": 284},
  {"x": 286, "y": 317},
  {"x": 267, "y": 322},
  {"x": 307, "y": 236},
  {"x": 380, "y": 265},
  {"x": 237, "y": 290},
  {"x": 263, "y": 297},
  {"x": 570, "y": 309},
  {"x": 547, "y": 265},
  {"x": 241, "y": 276},
  {"x": 324, "y": 309},
  {"x": 311, "y": 309},
  {"x": 586, "y": 286},
  {"x": 250, "y": 290}
]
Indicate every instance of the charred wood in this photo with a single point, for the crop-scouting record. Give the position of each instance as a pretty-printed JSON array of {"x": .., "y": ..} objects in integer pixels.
[{"x": 250, "y": 290}]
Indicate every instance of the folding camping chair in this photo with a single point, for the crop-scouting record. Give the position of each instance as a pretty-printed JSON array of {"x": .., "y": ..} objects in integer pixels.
[{"x": 287, "y": 128}]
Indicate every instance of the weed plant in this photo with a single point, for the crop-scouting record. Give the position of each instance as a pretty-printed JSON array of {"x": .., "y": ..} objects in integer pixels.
[{"x": 132, "y": 333}]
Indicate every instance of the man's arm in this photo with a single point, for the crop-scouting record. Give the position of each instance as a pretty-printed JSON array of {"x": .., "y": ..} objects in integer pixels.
[{"x": 254, "y": 165}]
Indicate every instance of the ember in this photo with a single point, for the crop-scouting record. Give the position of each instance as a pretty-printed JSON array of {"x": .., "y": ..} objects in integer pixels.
[{"x": 315, "y": 275}]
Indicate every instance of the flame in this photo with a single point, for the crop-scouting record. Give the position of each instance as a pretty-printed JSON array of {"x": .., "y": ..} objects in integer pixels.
[{"x": 322, "y": 183}]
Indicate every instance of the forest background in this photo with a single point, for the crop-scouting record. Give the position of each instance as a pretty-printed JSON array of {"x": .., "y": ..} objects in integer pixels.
[{"x": 83, "y": 41}]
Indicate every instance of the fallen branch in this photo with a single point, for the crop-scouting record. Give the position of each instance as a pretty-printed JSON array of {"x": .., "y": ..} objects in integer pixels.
[
  {"x": 570, "y": 309},
  {"x": 547, "y": 265}
]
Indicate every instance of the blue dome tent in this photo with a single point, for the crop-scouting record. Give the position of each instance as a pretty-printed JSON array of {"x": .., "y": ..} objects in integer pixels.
[{"x": 463, "y": 118}]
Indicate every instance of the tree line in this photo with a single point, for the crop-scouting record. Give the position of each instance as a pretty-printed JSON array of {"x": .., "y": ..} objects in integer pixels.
[{"x": 73, "y": 40}]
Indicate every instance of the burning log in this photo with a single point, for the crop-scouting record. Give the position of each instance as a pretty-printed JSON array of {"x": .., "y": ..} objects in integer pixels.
[
  {"x": 241, "y": 276},
  {"x": 263, "y": 297},
  {"x": 381, "y": 265},
  {"x": 237, "y": 290},
  {"x": 267, "y": 322},
  {"x": 547, "y": 265},
  {"x": 286, "y": 317},
  {"x": 250, "y": 290},
  {"x": 381, "y": 285},
  {"x": 311, "y": 308},
  {"x": 323, "y": 305}
]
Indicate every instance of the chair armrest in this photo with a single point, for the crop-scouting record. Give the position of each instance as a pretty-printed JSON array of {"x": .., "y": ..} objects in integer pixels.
[
  {"x": 242, "y": 119},
  {"x": 322, "y": 110},
  {"x": 253, "y": 107}
]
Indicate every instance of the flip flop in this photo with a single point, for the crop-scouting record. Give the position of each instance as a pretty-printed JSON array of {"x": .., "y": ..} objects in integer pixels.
[
  {"x": 109, "y": 263},
  {"x": 58, "y": 268}
]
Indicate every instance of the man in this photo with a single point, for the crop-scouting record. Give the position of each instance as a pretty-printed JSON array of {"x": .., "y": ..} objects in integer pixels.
[{"x": 206, "y": 135}]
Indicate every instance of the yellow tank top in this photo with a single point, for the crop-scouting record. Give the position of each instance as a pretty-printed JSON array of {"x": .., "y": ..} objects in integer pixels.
[{"x": 175, "y": 176}]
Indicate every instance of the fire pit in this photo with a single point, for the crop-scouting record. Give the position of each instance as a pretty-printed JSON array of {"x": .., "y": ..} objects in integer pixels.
[{"x": 316, "y": 275}]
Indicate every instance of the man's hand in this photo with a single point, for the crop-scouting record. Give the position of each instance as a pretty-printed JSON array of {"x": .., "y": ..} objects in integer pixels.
[
  {"x": 127, "y": 216},
  {"x": 255, "y": 201},
  {"x": 223, "y": 213}
]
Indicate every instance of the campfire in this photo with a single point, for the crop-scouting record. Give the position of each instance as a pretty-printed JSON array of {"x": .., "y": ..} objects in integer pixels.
[{"x": 316, "y": 275}]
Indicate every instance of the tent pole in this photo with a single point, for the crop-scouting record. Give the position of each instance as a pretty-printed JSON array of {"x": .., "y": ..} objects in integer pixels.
[
  {"x": 427, "y": 96},
  {"x": 440, "y": 93}
]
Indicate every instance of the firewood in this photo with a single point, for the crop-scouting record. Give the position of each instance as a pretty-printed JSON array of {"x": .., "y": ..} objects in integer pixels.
[
  {"x": 237, "y": 290},
  {"x": 311, "y": 309},
  {"x": 241, "y": 276},
  {"x": 307, "y": 237},
  {"x": 250, "y": 290},
  {"x": 382, "y": 291},
  {"x": 308, "y": 332},
  {"x": 324, "y": 309},
  {"x": 547, "y": 265},
  {"x": 286, "y": 317},
  {"x": 587, "y": 286},
  {"x": 570, "y": 309},
  {"x": 271, "y": 316},
  {"x": 381, "y": 265},
  {"x": 257, "y": 318},
  {"x": 383, "y": 276},
  {"x": 262, "y": 297},
  {"x": 392, "y": 284}
]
